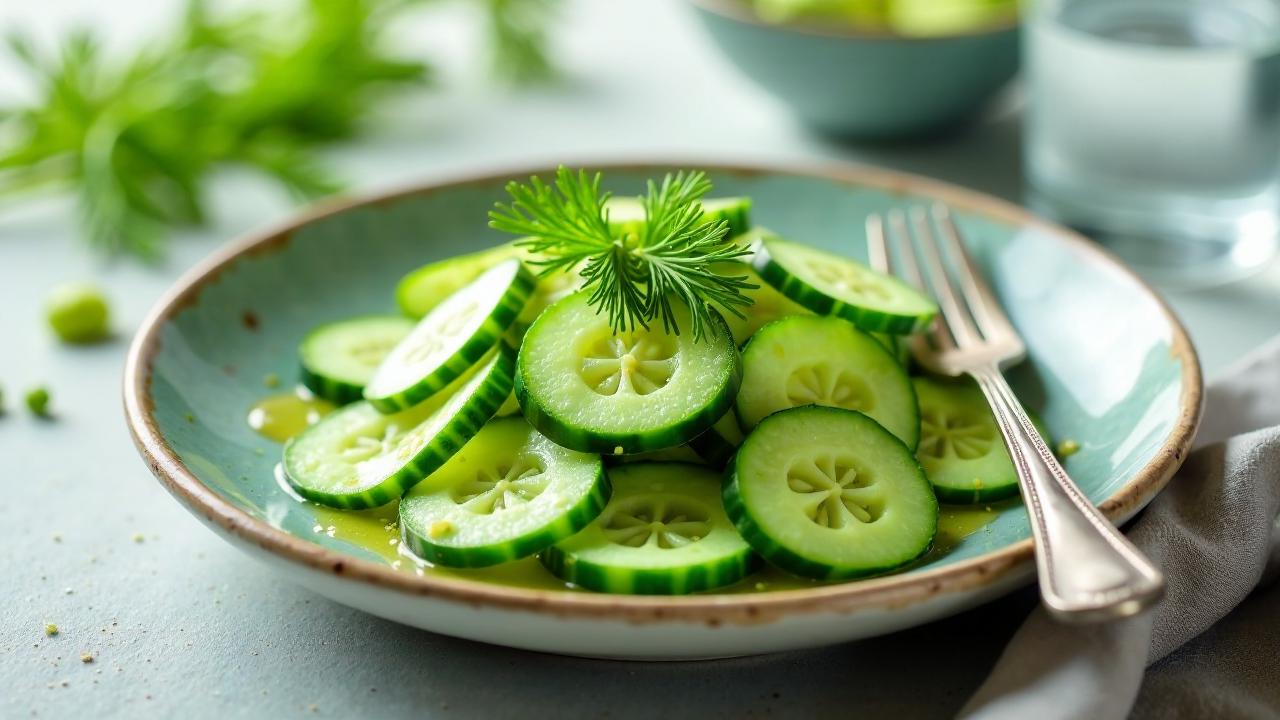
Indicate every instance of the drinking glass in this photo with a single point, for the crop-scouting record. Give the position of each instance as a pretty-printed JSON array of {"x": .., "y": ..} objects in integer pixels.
[{"x": 1155, "y": 126}]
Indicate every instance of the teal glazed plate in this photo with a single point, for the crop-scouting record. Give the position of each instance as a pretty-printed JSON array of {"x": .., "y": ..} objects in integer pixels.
[
  {"x": 1109, "y": 367},
  {"x": 862, "y": 84}
]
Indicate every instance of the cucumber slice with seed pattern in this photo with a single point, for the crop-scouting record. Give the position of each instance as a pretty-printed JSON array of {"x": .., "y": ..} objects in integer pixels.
[
  {"x": 664, "y": 532},
  {"x": 832, "y": 285},
  {"x": 961, "y": 449},
  {"x": 813, "y": 360},
  {"x": 644, "y": 390},
  {"x": 828, "y": 493},
  {"x": 508, "y": 494},
  {"x": 358, "y": 457},
  {"x": 339, "y": 358},
  {"x": 455, "y": 334},
  {"x": 428, "y": 286}
]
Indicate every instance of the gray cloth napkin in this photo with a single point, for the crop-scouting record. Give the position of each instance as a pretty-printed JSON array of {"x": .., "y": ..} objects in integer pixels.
[{"x": 1211, "y": 648}]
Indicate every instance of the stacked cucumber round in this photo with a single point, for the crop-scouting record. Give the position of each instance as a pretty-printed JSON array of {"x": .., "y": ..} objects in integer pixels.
[{"x": 510, "y": 421}]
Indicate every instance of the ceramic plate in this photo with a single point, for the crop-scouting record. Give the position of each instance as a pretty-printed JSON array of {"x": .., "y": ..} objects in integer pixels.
[{"x": 1110, "y": 367}]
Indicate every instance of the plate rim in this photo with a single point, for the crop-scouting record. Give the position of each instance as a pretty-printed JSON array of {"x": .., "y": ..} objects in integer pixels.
[{"x": 885, "y": 593}]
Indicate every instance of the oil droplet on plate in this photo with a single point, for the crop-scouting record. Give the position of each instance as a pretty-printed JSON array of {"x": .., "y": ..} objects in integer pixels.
[{"x": 285, "y": 415}]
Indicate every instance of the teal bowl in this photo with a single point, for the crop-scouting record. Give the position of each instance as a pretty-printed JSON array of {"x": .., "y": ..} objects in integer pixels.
[
  {"x": 865, "y": 85},
  {"x": 1109, "y": 367}
]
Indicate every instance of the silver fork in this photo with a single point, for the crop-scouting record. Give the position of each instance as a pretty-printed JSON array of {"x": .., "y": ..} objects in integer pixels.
[{"x": 1088, "y": 570}]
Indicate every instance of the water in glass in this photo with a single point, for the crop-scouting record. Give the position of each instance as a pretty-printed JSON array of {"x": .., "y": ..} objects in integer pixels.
[{"x": 1155, "y": 124}]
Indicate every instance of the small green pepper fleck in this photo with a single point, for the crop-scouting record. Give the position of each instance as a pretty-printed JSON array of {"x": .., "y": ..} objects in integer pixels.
[
  {"x": 38, "y": 401},
  {"x": 1067, "y": 448},
  {"x": 50, "y": 629},
  {"x": 78, "y": 313}
]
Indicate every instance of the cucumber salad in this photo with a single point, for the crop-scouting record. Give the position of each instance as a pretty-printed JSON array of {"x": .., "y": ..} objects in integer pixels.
[{"x": 650, "y": 395}]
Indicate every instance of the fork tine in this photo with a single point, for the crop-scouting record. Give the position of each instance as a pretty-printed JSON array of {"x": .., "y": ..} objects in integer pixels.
[
  {"x": 953, "y": 306},
  {"x": 940, "y": 333},
  {"x": 877, "y": 245},
  {"x": 982, "y": 301},
  {"x": 907, "y": 255}
]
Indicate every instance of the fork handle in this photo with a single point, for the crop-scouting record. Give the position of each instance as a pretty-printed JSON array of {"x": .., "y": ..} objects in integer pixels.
[{"x": 1088, "y": 570}]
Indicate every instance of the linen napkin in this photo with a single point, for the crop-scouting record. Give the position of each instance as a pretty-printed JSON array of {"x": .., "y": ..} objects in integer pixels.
[{"x": 1211, "y": 647}]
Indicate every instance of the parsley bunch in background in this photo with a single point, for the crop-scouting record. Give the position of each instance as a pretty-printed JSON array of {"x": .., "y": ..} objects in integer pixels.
[{"x": 137, "y": 138}]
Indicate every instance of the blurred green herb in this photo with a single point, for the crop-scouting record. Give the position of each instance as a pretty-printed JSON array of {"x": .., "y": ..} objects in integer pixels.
[
  {"x": 137, "y": 138},
  {"x": 518, "y": 38}
]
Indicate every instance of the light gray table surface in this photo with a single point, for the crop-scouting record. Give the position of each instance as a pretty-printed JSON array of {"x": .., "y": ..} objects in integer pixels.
[{"x": 181, "y": 623}]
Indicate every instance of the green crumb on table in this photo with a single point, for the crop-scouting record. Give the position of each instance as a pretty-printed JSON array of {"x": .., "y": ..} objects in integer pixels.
[
  {"x": 86, "y": 657},
  {"x": 138, "y": 537},
  {"x": 38, "y": 401},
  {"x": 190, "y": 418},
  {"x": 50, "y": 629},
  {"x": 271, "y": 380},
  {"x": 1067, "y": 448},
  {"x": 78, "y": 313}
]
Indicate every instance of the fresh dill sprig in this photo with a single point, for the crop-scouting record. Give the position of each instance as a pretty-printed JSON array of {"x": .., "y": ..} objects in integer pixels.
[
  {"x": 633, "y": 277},
  {"x": 137, "y": 137}
]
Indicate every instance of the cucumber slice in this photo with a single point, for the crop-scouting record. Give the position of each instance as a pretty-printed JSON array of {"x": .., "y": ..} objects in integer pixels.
[
  {"x": 828, "y": 493},
  {"x": 550, "y": 289},
  {"x": 508, "y": 494},
  {"x": 590, "y": 390},
  {"x": 719, "y": 442},
  {"x": 960, "y": 448},
  {"x": 813, "y": 360},
  {"x": 455, "y": 334},
  {"x": 832, "y": 285},
  {"x": 358, "y": 457},
  {"x": 767, "y": 304},
  {"x": 627, "y": 212},
  {"x": 339, "y": 358},
  {"x": 664, "y": 532},
  {"x": 428, "y": 286}
]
